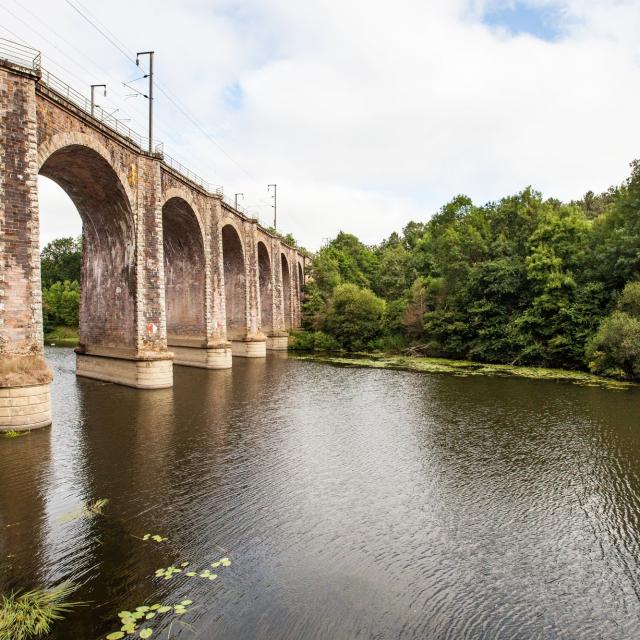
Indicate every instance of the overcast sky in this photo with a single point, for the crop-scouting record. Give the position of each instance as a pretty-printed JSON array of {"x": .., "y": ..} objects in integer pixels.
[{"x": 367, "y": 114}]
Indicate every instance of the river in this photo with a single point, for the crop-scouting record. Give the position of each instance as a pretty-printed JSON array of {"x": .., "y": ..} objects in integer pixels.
[{"x": 351, "y": 503}]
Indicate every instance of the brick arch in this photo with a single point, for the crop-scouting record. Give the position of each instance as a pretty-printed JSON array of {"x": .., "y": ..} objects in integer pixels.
[
  {"x": 62, "y": 140},
  {"x": 235, "y": 281},
  {"x": 184, "y": 270},
  {"x": 185, "y": 194},
  {"x": 265, "y": 278},
  {"x": 109, "y": 277},
  {"x": 286, "y": 288},
  {"x": 231, "y": 221}
]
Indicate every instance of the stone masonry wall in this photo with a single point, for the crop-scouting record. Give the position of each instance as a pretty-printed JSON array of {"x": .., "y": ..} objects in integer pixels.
[{"x": 20, "y": 296}]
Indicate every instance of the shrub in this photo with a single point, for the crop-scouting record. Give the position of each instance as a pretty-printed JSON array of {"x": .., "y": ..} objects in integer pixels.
[
  {"x": 630, "y": 300},
  {"x": 324, "y": 342},
  {"x": 615, "y": 349},
  {"x": 61, "y": 304},
  {"x": 389, "y": 344},
  {"x": 355, "y": 316},
  {"x": 312, "y": 341}
]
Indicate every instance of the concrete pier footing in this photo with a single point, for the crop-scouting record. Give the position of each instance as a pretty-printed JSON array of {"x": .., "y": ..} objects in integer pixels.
[
  {"x": 278, "y": 342},
  {"x": 249, "y": 348},
  {"x": 25, "y": 408},
  {"x": 141, "y": 373},
  {"x": 203, "y": 357}
]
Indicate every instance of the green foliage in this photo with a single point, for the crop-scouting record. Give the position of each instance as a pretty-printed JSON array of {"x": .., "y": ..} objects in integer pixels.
[
  {"x": 286, "y": 238},
  {"x": 630, "y": 299},
  {"x": 355, "y": 316},
  {"x": 31, "y": 614},
  {"x": 313, "y": 341},
  {"x": 61, "y": 305},
  {"x": 61, "y": 260},
  {"x": 615, "y": 349},
  {"x": 520, "y": 281}
]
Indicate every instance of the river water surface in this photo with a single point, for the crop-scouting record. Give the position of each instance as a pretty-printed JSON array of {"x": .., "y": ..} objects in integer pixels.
[{"x": 352, "y": 503}]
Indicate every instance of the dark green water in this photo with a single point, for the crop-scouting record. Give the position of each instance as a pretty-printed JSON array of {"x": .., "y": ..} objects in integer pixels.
[{"x": 353, "y": 503}]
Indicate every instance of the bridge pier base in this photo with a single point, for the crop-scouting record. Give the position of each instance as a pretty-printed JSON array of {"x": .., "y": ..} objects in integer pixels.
[
  {"x": 25, "y": 408},
  {"x": 149, "y": 371},
  {"x": 278, "y": 341},
  {"x": 25, "y": 393},
  {"x": 216, "y": 356},
  {"x": 249, "y": 348}
]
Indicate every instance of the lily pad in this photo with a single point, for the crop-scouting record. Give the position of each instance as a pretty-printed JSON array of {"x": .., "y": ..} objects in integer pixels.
[
  {"x": 116, "y": 635},
  {"x": 146, "y": 633}
]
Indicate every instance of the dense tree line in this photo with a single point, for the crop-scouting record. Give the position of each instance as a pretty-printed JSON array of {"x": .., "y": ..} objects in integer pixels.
[{"x": 524, "y": 280}]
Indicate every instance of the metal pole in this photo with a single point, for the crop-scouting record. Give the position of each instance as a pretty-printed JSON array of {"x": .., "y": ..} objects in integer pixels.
[
  {"x": 238, "y": 194},
  {"x": 150, "y": 101},
  {"x": 150, "y": 96},
  {"x": 275, "y": 203},
  {"x": 93, "y": 100}
]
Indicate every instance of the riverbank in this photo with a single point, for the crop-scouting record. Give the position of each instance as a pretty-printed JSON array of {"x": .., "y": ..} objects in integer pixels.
[
  {"x": 62, "y": 337},
  {"x": 461, "y": 368}
]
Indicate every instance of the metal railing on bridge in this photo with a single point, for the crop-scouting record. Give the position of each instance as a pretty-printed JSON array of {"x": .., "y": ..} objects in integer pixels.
[{"x": 31, "y": 59}]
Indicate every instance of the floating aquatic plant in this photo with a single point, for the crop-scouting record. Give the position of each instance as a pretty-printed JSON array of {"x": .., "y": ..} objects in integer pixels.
[
  {"x": 31, "y": 614},
  {"x": 87, "y": 510},
  {"x": 136, "y": 622},
  {"x": 95, "y": 508},
  {"x": 15, "y": 434},
  {"x": 131, "y": 621},
  {"x": 155, "y": 538},
  {"x": 167, "y": 573},
  {"x": 207, "y": 574}
]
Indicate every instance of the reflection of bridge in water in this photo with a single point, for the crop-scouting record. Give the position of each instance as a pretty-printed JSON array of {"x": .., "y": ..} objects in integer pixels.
[{"x": 170, "y": 272}]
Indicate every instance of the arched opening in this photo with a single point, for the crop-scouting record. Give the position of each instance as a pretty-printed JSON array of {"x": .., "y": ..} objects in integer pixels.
[
  {"x": 184, "y": 271},
  {"x": 286, "y": 292},
  {"x": 266, "y": 289},
  {"x": 300, "y": 281},
  {"x": 235, "y": 292},
  {"x": 108, "y": 275}
]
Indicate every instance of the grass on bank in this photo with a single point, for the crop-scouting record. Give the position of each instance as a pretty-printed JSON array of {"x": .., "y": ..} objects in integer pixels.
[
  {"x": 32, "y": 613},
  {"x": 463, "y": 368},
  {"x": 61, "y": 336}
]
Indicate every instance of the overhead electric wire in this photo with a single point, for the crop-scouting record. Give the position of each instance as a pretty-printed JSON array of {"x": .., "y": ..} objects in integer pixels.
[
  {"x": 95, "y": 26},
  {"x": 139, "y": 117},
  {"x": 104, "y": 31},
  {"x": 114, "y": 41}
]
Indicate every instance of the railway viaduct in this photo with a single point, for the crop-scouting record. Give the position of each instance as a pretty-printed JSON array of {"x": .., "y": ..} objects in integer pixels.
[{"x": 171, "y": 274}]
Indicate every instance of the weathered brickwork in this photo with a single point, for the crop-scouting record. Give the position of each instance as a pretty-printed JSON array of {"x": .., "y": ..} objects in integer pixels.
[
  {"x": 20, "y": 297},
  {"x": 164, "y": 262}
]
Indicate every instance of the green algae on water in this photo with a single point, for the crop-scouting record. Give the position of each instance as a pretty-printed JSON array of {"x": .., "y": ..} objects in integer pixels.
[{"x": 465, "y": 368}]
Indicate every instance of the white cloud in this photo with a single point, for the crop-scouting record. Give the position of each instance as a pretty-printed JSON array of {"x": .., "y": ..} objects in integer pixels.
[{"x": 368, "y": 114}]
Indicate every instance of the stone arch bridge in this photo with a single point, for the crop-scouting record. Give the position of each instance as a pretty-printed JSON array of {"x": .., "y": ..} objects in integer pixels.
[{"x": 170, "y": 272}]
